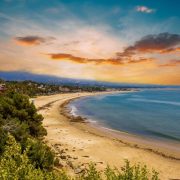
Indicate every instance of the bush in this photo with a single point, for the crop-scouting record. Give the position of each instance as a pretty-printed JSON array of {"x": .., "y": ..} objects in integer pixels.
[
  {"x": 23, "y": 156},
  {"x": 91, "y": 173},
  {"x": 17, "y": 112},
  {"x": 15, "y": 165},
  {"x": 40, "y": 154},
  {"x": 3, "y": 139},
  {"x": 129, "y": 172}
]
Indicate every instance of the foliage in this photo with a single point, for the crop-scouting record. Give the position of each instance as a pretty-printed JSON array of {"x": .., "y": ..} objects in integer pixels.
[
  {"x": 40, "y": 154},
  {"x": 3, "y": 139},
  {"x": 127, "y": 172},
  {"x": 24, "y": 156},
  {"x": 32, "y": 89},
  {"x": 91, "y": 173},
  {"x": 19, "y": 116},
  {"x": 15, "y": 165}
]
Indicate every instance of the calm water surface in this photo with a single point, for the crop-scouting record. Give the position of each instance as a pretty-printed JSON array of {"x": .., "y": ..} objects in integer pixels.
[{"x": 149, "y": 113}]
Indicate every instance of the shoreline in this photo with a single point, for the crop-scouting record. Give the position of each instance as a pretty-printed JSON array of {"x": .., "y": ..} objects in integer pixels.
[
  {"x": 135, "y": 141},
  {"x": 77, "y": 144}
]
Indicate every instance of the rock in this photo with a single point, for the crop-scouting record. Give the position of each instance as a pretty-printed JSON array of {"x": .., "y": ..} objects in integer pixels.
[
  {"x": 60, "y": 165},
  {"x": 69, "y": 156},
  {"x": 62, "y": 151},
  {"x": 100, "y": 162},
  {"x": 70, "y": 164},
  {"x": 78, "y": 170},
  {"x": 86, "y": 156},
  {"x": 63, "y": 157}
]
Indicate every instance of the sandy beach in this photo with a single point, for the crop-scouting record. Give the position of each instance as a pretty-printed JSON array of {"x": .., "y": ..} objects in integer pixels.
[{"x": 78, "y": 143}]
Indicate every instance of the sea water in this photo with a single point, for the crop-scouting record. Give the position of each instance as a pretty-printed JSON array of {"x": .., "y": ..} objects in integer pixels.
[{"x": 148, "y": 113}]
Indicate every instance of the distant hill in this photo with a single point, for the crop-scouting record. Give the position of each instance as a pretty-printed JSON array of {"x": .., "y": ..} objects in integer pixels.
[{"x": 22, "y": 76}]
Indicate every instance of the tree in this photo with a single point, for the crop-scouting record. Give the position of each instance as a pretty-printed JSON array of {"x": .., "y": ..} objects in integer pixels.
[{"x": 17, "y": 111}]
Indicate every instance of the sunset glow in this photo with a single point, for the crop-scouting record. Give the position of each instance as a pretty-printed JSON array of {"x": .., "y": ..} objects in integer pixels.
[{"x": 114, "y": 41}]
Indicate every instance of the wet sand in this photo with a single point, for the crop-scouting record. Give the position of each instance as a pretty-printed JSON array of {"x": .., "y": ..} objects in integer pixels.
[{"x": 78, "y": 143}]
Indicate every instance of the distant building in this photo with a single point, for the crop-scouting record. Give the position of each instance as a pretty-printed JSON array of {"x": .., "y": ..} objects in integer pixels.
[
  {"x": 110, "y": 89},
  {"x": 64, "y": 89},
  {"x": 41, "y": 86}
]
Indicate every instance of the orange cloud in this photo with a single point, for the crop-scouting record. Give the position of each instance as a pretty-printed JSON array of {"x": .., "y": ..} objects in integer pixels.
[
  {"x": 171, "y": 63},
  {"x": 171, "y": 50},
  {"x": 141, "y": 60},
  {"x": 69, "y": 57},
  {"x": 62, "y": 56},
  {"x": 112, "y": 61},
  {"x": 31, "y": 40}
]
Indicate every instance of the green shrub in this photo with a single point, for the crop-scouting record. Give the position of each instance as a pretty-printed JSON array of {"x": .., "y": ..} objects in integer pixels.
[
  {"x": 15, "y": 165},
  {"x": 17, "y": 112},
  {"x": 40, "y": 154},
  {"x": 3, "y": 139},
  {"x": 91, "y": 173},
  {"x": 23, "y": 155},
  {"x": 128, "y": 172},
  {"x": 19, "y": 130}
]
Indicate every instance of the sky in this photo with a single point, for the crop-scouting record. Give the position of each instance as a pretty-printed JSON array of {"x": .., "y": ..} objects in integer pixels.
[{"x": 126, "y": 41}]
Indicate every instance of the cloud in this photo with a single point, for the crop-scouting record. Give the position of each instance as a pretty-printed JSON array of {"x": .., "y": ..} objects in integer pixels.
[
  {"x": 112, "y": 61},
  {"x": 62, "y": 56},
  {"x": 141, "y": 60},
  {"x": 170, "y": 63},
  {"x": 31, "y": 40},
  {"x": 144, "y": 9},
  {"x": 170, "y": 50},
  {"x": 84, "y": 49},
  {"x": 160, "y": 43},
  {"x": 69, "y": 57}
]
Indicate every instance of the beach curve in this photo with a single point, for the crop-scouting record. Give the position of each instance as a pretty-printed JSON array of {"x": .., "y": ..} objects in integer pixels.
[{"x": 83, "y": 144}]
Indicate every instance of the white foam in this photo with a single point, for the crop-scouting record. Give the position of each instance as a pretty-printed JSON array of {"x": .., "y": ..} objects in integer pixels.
[
  {"x": 74, "y": 111},
  {"x": 92, "y": 121}
]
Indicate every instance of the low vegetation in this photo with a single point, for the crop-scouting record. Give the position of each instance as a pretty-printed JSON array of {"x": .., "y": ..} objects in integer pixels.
[
  {"x": 24, "y": 155},
  {"x": 32, "y": 89}
]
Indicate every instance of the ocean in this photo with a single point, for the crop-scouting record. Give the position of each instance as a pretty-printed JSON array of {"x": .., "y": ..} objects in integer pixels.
[{"x": 152, "y": 113}]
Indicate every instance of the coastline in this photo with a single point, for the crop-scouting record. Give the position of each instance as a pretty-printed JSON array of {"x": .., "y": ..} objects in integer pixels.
[
  {"x": 162, "y": 148},
  {"x": 83, "y": 143}
]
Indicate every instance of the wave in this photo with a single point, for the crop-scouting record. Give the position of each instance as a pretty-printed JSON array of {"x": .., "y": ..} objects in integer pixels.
[
  {"x": 102, "y": 97},
  {"x": 92, "y": 121},
  {"x": 155, "y": 101},
  {"x": 74, "y": 111}
]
